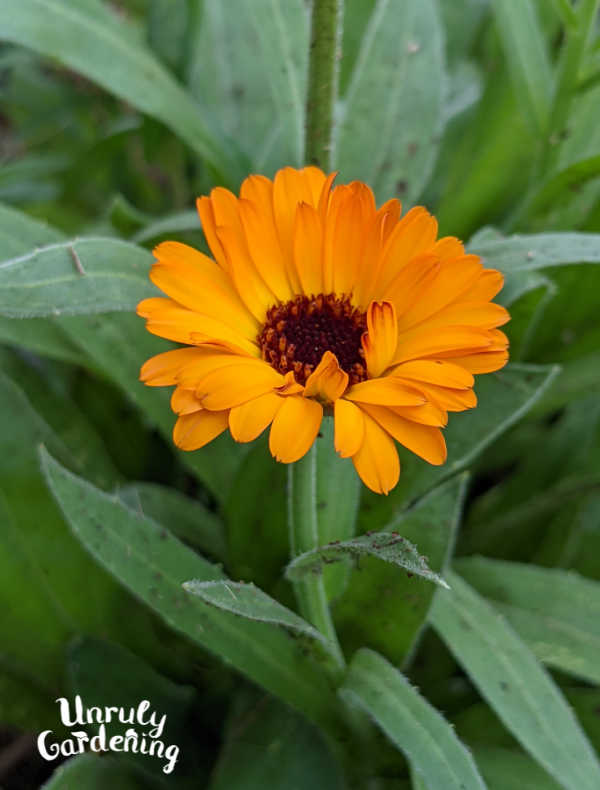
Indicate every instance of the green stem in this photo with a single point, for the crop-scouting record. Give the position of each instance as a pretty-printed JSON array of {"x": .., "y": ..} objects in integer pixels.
[
  {"x": 326, "y": 25},
  {"x": 304, "y": 536}
]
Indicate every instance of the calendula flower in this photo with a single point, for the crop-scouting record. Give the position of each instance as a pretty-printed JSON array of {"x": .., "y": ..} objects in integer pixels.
[{"x": 317, "y": 300}]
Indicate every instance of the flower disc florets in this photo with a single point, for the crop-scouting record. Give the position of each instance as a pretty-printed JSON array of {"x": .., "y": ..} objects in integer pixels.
[{"x": 296, "y": 334}]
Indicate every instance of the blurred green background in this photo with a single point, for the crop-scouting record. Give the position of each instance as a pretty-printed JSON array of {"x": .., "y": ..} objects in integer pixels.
[{"x": 114, "y": 117}]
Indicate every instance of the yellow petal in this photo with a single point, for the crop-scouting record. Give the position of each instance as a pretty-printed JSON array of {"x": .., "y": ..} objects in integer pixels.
[
  {"x": 290, "y": 386},
  {"x": 184, "y": 401},
  {"x": 295, "y": 428},
  {"x": 385, "y": 391},
  {"x": 348, "y": 234},
  {"x": 379, "y": 342},
  {"x": 195, "y": 370},
  {"x": 377, "y": 460},
  {"x": 249, "y": 420},
  {"x": 328, "y": 381},
  {"x": 308, "y": 248},
  {"x": 235, "y": 384},
  {"x": 193, "y": 431},
  {"x": 349, "y": 426},
  {"x": 413, "y": 279},
  {"x": 447, "y": 398},
  {"x": 424, "y": 440}
]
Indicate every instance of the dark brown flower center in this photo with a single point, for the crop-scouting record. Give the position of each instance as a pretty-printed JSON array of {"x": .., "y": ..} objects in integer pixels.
[{"x": 296, "y": 334}]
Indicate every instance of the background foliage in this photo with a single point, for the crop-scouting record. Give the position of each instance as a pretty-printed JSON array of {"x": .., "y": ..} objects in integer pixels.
[{"x": 114, "y": 117}]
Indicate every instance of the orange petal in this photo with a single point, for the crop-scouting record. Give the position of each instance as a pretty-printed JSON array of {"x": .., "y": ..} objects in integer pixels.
[
  {"x": 412, "y": 281},
  {"x": 453, "y": 341},
  {"x": 207, "y": 218},
  {"x": 290, "y": 188},
  {"x": 235, "y": 384},
  {"x": 348, "y": 233},
  {"x": 253, "y": 291},
  {"x": 486, "y": 287},
  {"x": 308, "y": 248},
  {"x": 249, "y": 420},
  {"x": 167, "y": 318},
  {"x": 447, "y": 398},
  {"x": 196, "y": 282},
  {"x": 162, "y": 369},
  {"x": 190, "y": 374},
  {"x": 452, "y": 279},
  {"x": 448, "y": 248},
  {"x": 377, "y": 460},
  {"x": 414, "y": 235},
  {"x": 290, "y": 386},
  {"x": 485, "y": 362},
  {"x": 486, "y": 315},
  {"x": 349, "y": 426},
  {"x": 184, "y": 401},
  {"x": 193, "y": 431},
  {"x": 424, "y": 440},
  {"x": 435, "y": 371},
  {"x": 426, "y": 414},
  {"x": 385, "y": 391},
  {"x": 328, "y": 381},
  {"x": 263, "y": 245},
  {"x": 295, "y": 428},
  {"x": 379, "y": 342},
  {"x": 384, "y": 222}
]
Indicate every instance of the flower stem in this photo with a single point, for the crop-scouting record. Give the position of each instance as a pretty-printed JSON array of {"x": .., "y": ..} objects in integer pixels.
[
  {"x": 304, "y": 536},
  {"x": 326, "y": 26}
]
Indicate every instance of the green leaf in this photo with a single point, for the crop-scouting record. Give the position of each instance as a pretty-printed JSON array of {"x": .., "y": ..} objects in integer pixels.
[
  {"x": 508, "y": 769},
  {"x": 93, "y": 772},
  {"x": 82, "y": 276},
  {"x": 409, "y": 721},
  {"x": 398, "y": 605},
  {"x": 251, "y": 603},
  {"x": 387, "y": 546},
  {"x": 19, "y": 232},
  {"x": 525, "y": 50},
  {"x": 555, "y": 612},
  {"x": 393, "y": 107},
  {"x": 268, "y": 745},
  {"x": 186, "y": 518},
  {"x": 539, "y": 251},
  {"x": 153, "y": 564},
  {"x": 249, "y": 71},
  {"x": 504, "y": 397},
  {"x": 90, "y": 39},
  {"x": 518, "y": 689}
]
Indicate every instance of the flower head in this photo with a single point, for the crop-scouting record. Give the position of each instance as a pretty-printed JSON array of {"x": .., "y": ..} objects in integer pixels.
[{"x": 317, "y": 300}]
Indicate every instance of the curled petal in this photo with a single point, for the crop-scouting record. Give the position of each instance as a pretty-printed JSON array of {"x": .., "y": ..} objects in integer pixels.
[
  {"x": 328, "y": 381},
  {"x": 379, "y": 342}
]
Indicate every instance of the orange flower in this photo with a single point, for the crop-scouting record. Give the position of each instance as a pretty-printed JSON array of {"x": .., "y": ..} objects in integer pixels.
[{"x": 319, "y": 300}]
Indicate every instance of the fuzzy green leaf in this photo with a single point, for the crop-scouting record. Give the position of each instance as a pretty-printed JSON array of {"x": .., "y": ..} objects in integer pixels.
[
  {"x": 410, "y": 722},
  {"x": 393, "y": 107},
  {"x": 516, "y": 686},
  {"x": 556, "y": 612}
]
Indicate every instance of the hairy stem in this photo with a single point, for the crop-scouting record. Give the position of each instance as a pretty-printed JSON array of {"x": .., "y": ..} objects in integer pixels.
[{"x": 326, "y": 25}]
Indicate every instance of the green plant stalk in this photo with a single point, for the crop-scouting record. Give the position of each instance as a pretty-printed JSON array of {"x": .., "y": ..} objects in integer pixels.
[
  {"x": 326, "y": 26},
  {"x": 304, "y": 536}
]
